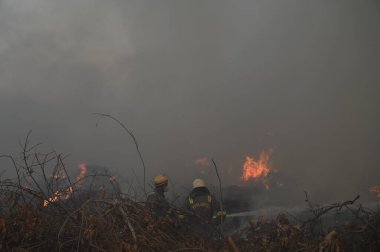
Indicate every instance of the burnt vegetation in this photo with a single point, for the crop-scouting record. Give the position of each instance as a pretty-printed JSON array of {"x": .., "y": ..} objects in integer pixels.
[{"x": 44, "y": 209}]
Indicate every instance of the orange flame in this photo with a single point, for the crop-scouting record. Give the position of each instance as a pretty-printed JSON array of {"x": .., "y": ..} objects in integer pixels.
[
  {"x": 59, "y": 195},
  {"x": 256, "y": 169},
  {"x": 69, "y": 190},
  {"x": 56, "y": 196}
]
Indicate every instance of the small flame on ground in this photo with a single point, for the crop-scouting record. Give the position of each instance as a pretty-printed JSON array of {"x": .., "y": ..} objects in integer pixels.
[
  {"x": 56, "y": 196},
  {"x": 59, "y": 195},
  {"x": 69, "y": 191},
  {"x": 256, "y": 169}
]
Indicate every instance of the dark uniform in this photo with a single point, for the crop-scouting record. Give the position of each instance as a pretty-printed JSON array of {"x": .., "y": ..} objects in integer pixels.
[
  {"x": 201, "y": 206},
  {"x": 157, "y": 202}
]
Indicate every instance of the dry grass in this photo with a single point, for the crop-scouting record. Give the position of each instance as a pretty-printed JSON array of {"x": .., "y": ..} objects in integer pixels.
[{"x": 86, "y": 219}]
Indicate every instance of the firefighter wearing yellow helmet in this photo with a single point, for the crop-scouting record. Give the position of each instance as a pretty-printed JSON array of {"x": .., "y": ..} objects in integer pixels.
[{"x": 156, "y": 200}]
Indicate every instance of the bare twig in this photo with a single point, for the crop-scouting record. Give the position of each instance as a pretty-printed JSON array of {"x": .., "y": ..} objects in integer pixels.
[
  {"x": 322, "y": 211},
  {"x": 126, "y": 219},
  {"x": 134, "y": 140},
  {"x": 221, "y": 196}
]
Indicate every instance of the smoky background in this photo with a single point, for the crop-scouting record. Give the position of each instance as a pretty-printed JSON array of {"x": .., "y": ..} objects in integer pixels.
[{"x": 191, "y": 79}]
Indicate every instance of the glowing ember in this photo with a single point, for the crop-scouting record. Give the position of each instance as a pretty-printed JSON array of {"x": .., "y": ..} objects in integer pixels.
[
  {"x": 256, "y": 169},
  {"x": 56, "y": 196},
  {"x": 375, "y": 190},
  {"x": 59, "y": 195}
]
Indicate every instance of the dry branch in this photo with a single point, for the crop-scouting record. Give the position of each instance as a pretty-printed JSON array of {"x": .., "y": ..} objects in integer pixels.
[{"x": 135, "y": 142}]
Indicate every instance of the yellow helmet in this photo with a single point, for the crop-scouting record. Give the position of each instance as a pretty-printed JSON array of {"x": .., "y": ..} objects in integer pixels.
[{"x": 160, "y": 181}]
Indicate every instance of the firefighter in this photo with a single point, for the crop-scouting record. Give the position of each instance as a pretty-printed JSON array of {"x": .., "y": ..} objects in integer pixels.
[
  {"x": 202, "y": 206},
  {"x": 156, "y": 200}
]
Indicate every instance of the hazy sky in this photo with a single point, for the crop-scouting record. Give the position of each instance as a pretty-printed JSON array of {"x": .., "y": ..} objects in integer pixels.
[{"x": 198, "y": 78}]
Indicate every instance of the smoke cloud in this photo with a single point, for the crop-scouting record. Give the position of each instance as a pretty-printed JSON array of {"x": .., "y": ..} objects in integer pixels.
[{"x": 223, "y": 79}]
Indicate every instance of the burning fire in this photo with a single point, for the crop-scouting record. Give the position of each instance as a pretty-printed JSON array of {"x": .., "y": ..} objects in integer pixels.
[
  {"x": 257, "y": 169},
  {"x": 375, "y": 190},
  {"x": 69, "y": 190},
  {"x": 58, "y": 195}
]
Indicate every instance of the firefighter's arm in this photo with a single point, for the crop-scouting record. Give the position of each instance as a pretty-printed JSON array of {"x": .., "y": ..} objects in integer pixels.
[
  {"x": 181, "y": 214},
  {"x": 220, "y": 213}
]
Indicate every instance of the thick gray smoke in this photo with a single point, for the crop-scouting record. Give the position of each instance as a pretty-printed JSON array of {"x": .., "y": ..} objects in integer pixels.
[{"x": 198, "y": 78}]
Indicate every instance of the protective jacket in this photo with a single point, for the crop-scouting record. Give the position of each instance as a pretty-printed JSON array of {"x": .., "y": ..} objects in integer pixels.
[{"x": 202, "y": 204}]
